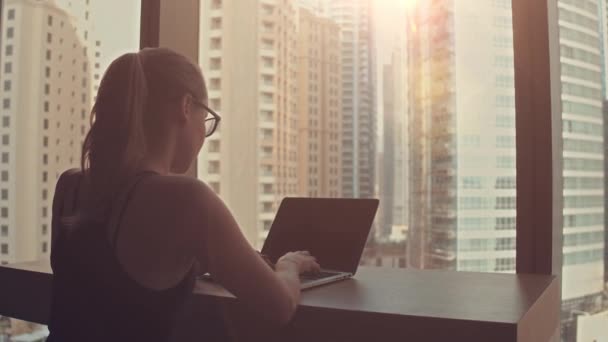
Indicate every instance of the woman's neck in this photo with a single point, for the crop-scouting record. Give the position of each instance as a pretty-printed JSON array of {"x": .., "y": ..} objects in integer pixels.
[{"x": 159, "y": 165}]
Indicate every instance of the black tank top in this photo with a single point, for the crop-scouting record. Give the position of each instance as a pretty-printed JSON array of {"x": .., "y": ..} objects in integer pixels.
[{"x": 94, "y": 299}]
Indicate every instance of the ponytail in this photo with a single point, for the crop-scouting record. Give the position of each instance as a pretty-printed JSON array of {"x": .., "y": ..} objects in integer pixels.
[{"x": 115, "y": 143}]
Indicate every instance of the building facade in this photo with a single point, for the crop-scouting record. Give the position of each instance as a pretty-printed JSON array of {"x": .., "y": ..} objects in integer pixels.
[
  {"x": 394, "y": 187},
  {"x": 358, "y": 95},
  {"x": 462, "y": 136},
  {"x": 319, "y": 106},
  {"x": 387, "y": 178},
  {"x": 48, "y": 75},
  {"x": 248, "y": 56},
  {"x": 582, "y": 35}
]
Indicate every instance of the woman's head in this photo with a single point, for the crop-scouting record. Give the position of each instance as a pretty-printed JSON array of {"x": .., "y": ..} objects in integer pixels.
[{"x": 150, "y": 102}]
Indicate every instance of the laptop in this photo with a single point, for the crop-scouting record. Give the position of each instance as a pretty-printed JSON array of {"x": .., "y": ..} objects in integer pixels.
[{"x": 334, "y": 230}]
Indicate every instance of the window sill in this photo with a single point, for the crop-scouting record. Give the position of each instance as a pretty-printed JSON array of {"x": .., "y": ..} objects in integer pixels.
[{"x": 378, "y": 304}]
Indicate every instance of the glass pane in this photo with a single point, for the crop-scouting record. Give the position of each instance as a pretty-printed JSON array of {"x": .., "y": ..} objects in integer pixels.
[
  {"x": 408, "y": 101},
  {"x": 49, "y": 75},
  {"x": 582, "y": 32}
]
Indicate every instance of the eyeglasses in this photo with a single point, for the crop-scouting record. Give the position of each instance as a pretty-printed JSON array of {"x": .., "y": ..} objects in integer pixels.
[{"x": 212, "y": 122}]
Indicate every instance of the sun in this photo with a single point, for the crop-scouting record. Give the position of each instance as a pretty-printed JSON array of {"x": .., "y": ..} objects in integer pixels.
[{"x": 399, "y": 5}]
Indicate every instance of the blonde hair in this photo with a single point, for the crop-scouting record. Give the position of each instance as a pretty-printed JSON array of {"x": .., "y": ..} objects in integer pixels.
[{"x": 127, "y": 113}]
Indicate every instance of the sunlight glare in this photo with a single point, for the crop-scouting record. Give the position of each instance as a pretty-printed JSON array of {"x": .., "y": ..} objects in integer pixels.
[{"x": 407, "y": 4}]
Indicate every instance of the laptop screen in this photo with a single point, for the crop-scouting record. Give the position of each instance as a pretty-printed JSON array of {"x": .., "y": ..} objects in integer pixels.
[{"x": 333, "y": 230}]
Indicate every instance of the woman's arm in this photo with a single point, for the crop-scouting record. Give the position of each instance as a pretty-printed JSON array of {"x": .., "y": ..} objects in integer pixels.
[{"x": 231, "y": 260}]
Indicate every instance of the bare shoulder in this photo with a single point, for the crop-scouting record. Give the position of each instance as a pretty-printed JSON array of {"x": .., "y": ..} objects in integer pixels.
[
  {"x": 177, "y": 187},
  {"x": 66, "y": 182},
  {"x": 184, "y": 203},
  {"x": 181, "y": 195},
  {"x": 68, "y": 178}
]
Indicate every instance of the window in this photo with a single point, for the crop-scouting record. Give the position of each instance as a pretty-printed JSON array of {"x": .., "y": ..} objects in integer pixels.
[
  {"x": 4, "y": 194},
  {"x": 10, "y": 32},
  {"x": 216, "y": 43},
  {"x": 6, "y": 121},
  {"x": 505, "y": 264},
  {"x": 5, "y": 139},
  {"x": 4, "y": 249},
  {"x": 5, "y": 157},
  {"x": 6, "y": 103},
  {"x": 11, "y": 14},
  {"x": 216, "y": 23},
  {"x": 295, "y": 89},
  {"x": 8, "y": 67},
  {"x": 7, "y": 85},
  {"x": 214, "y": 146},
  {"x": 469, "y": 184},
  {"x": 4, "y": 231},
  {"x": 214, "y": 166},
  {"x": 8, "y": 51},
  {"x": 4, "y": 212}
]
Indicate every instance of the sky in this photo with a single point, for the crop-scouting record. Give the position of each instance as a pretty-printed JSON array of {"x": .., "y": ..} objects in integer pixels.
[
  {"x": 116, "y": 26},
  {"x": 389, "y": 23}
]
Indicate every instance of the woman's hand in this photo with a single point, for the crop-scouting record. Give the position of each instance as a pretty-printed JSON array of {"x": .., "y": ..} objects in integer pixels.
[{"x": 302, "y": 261}]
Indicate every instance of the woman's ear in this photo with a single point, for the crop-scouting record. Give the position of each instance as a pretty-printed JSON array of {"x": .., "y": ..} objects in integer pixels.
[{"x": 185, "y": 107}]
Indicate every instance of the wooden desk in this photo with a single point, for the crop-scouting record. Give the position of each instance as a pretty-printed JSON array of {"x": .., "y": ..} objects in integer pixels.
[{"x": 377, "y": 305}]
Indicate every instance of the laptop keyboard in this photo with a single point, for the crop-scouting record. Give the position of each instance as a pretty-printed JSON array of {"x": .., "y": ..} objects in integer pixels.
[{"x": 318, "y": 275}]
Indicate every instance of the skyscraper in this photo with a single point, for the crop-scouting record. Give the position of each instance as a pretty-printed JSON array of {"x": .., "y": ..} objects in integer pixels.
[
  {"x": 316, "y": 7},
  {"x": 319, "y": 106},
  {"x": 393, "y": 181},
  {"x": 401, "y": 149},
  {"x": 248, "y": 56},
  {"x": 49, "y": 72},
  {"x": 581, "y": 34},
  {"x": 358, "y": 95},
  {"x": 387, "y": 178},
  {"x": 462, "y": 136}
]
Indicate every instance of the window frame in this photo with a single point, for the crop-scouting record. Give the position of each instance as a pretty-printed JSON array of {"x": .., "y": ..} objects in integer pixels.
[
  {"x": 538, "y": 115},
  {"x": 538, "y": 137}
]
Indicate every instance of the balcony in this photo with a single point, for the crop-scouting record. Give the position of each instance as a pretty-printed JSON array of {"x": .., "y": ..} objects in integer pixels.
[
  {"x": 215, "y": 12},
  {"x": 266, "y": 197},
  {"x": 267, "y": 87},
  {"x": 266, "y": 216},
  {"x": 269, "y": 106},
  {"x": 268, "y": 51}
]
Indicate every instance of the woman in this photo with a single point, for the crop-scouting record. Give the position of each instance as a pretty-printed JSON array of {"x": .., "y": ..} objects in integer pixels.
[{"x": 128, "y": 237}]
